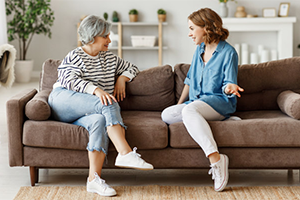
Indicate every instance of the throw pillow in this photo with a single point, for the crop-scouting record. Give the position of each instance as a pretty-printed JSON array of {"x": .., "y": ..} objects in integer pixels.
[
  {"x": 152, "y": 90},
  {"x": 289, "y": 103},
  {"x": 38, "y": 108}
]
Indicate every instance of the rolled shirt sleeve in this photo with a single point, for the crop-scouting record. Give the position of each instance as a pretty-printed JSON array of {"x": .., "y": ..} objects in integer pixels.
[{"x": 126, "y": 68}]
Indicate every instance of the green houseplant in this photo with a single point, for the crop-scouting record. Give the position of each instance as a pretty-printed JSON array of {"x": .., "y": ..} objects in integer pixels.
[
  {"x": 115, "y": 17},
  {"x": 28, "y": 18},
  {"x": 133, "y": 15},
  {"x": 105, "y": 15},
  {"x": 161, "y": 13}
]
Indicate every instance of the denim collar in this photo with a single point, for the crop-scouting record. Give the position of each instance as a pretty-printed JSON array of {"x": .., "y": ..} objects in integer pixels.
[{"x": 219, "y": 48}]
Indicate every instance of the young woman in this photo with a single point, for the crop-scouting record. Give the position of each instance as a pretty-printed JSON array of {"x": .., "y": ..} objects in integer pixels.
[
  {"x": 210, "y": 88},
  {"x": 86, "y": 94}
]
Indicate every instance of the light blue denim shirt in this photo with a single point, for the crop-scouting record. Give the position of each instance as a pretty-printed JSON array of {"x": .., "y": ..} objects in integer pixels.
[{"x": 208, "y": 81}]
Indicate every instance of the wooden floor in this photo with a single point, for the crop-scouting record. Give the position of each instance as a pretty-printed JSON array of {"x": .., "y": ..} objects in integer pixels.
[{"x": 12, "y": 178}]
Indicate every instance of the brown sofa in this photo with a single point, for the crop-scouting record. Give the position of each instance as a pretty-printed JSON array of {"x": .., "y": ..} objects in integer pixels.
[{"x": 267, "y": 137}]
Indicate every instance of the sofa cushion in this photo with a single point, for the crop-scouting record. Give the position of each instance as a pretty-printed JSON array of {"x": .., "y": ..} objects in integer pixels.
[
  {"x": 54, "y": 134},
  {"x": 256, "y": 129},
  {"x": 37, "y": 108},
  {"x": 151, "y": 90},
  {"x": 263, "y": 83},
  {"x": 49, "y": 74},
  {"x": 145, "y": 130},
  {"x": 180, "y": 72},
  {"x": 289, "y": 103}
]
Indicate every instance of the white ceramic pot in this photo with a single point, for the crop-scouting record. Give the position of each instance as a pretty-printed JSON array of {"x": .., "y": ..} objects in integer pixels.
[
  {"x": 23, "y": 69},
  {"x": 223, "y": 10}
]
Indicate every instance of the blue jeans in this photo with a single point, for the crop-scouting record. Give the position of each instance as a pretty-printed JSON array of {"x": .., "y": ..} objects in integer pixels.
[{"x": 85, "y": 110}]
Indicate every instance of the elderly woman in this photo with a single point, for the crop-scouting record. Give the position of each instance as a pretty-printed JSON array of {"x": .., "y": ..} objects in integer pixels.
[
  {"x": 86, "y": 94},
  {"x": 210, "y": 88}
]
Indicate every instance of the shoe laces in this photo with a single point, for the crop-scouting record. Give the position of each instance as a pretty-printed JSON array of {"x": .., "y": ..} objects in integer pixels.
[
  {"x": 215, "y": 171},
  {"x": 100, "y": 181},
  {"x": 136, "y": 154}
]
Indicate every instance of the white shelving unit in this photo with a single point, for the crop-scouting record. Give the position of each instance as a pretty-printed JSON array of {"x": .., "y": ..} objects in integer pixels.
[
  {"x": 283, "y": 26},
  {"x": 159, "y": 48}
]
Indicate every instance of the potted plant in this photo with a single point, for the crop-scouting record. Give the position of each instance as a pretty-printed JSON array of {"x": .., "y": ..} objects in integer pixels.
[
  {"x": 115, "y": 17},
  {"x": 29, "y": 17},
  {"x": 133, "y": 15},
  {"x": 162, "y": 14},
  {"x": 105, "y": 15}
]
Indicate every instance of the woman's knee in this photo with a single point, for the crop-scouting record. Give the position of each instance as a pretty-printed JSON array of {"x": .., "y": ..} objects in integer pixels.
[
  {"x": 188, "y": 110},
  {"x": 110, "y": 109},
  {"x": 172, "y": 114},
  {"x": 165, "y": 115},
  {"x": 97, "y": 121}
]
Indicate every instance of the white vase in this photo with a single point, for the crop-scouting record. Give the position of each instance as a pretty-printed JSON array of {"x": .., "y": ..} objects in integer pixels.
[
  {"x": 23, "y": 69},
  {"x": 223, "y": 10}
]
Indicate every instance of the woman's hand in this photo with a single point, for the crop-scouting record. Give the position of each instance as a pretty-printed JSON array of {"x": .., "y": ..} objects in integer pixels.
[
  {"x": 104, "y": 96},
  {"x": 233, "y": 89},
  {"x": 120, "y": 88}
]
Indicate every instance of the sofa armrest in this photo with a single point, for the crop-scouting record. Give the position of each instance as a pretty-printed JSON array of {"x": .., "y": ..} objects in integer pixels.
[{"x": 15, "y": 111}]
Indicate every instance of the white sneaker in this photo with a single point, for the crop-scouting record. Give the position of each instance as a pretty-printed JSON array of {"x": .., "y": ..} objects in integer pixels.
[
  {"x": 233, "y": 118},
  {"x": 219, "y": 173},
  {"x": 99, "y": 186},
  {"x": 132, "y": 160}
]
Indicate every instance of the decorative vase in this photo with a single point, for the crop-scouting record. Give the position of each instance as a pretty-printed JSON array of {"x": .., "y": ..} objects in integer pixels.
[
  {"x": 23, "y": 69},
  {"x": 223, "y": 9},
  {"x": 240, "y": 12}
]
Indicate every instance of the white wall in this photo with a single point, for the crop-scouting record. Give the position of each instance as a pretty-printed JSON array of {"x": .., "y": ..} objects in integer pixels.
[
  {"x": 180, "y": 47},
  {"x": 3, "y": 28}
]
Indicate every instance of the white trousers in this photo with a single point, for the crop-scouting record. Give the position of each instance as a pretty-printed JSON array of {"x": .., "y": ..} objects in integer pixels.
[{"x": 194, "y": 117}]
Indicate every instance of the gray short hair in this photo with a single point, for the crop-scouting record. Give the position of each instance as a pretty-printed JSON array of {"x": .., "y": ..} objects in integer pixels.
[{"x": 92, "y": 26}]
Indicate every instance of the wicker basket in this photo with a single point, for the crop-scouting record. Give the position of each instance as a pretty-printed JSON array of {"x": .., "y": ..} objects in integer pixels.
[{"x": 142, "y": 41}]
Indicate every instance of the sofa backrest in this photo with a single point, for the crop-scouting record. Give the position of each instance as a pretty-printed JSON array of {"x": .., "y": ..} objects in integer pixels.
[
  {"x": 49, "y": 74},
  {"x": 265, "y": 81},
  {"x": 262, "y": 82},
  {"x": 151, "y": 90}
]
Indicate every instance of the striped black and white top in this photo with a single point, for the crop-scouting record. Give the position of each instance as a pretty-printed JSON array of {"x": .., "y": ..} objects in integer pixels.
[{"x": 81, "y": 72}]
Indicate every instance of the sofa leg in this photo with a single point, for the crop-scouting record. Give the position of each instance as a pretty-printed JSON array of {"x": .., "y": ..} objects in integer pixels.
[
  {"x": 34, "y": 173},
  {"x": 290, "y": 175},
  {"x": 37, "y": 175}
]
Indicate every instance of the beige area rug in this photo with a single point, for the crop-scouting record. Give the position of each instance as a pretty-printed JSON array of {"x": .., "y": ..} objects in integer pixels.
[{"x": 160, "y": 193}]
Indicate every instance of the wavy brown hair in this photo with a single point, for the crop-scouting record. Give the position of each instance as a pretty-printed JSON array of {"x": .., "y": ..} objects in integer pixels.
[{"x": 213, "y": 24}]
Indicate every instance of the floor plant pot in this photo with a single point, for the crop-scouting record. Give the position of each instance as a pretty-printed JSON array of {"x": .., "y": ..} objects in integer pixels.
[{"x": 23, "y": 69}]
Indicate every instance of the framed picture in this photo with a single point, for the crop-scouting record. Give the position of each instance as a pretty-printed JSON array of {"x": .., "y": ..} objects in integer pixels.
[
  {"x": 284, "y": 10},
  {"x": 269, "y": 12}
]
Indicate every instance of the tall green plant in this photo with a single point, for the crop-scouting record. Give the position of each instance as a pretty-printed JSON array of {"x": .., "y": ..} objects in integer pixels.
[{"x": 30, "y": 17}]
